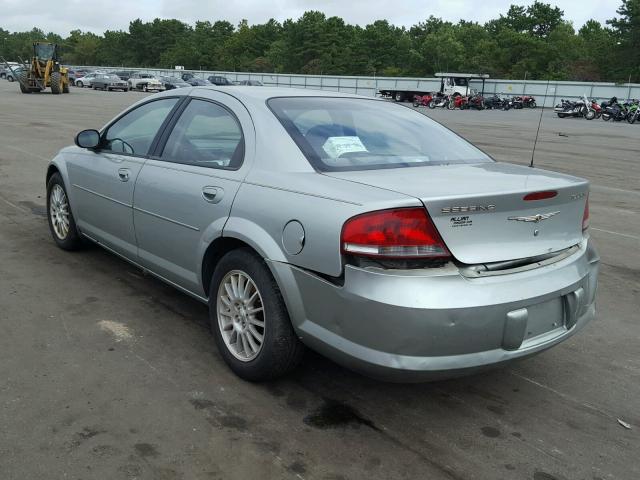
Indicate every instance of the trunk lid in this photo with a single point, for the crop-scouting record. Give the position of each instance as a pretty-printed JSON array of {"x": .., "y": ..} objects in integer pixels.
[{"x": 480, "y": 210}]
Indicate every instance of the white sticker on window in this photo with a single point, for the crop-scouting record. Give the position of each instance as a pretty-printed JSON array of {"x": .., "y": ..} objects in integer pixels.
[{"x": 336, "y": 146}]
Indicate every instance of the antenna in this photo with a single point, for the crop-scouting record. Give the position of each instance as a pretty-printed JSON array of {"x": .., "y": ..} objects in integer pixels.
[{"x": 535, "y": 142}]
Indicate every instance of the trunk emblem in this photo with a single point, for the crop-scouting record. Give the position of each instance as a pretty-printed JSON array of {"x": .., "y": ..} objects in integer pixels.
[{"x": 534, "y": 218}]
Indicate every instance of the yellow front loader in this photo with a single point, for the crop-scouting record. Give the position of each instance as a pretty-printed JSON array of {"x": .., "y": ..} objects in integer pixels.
[{"x": 44, "y": 71}]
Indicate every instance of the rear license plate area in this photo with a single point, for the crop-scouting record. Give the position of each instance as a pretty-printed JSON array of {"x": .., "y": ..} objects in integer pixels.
[{"x": 544, "y": 318}]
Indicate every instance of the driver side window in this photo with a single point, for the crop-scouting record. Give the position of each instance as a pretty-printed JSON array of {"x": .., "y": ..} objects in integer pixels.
[{"x": 134, "y": 133}]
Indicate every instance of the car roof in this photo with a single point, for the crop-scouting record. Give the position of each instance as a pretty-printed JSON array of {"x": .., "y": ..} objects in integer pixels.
[{"x": 255, "y": 94}]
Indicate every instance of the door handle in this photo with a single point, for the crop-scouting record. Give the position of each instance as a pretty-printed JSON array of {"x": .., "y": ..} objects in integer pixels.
[
  {"x": 123, "y": 173},
  {"x": 212, "y": 194}
]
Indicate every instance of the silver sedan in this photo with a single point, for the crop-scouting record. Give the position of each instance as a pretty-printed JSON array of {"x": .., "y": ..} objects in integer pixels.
[{"x": 356, "y": 227}]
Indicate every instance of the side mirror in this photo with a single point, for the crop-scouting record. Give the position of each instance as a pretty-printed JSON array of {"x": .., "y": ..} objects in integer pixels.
[{"x": 88, "y": 139}]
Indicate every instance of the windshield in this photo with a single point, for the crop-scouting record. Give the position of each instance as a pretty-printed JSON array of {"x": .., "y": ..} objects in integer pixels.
[
  {"x": 342, "y": 134},
  {"x": 45, "y": 51},
  {"x": 113, "y": 78}
]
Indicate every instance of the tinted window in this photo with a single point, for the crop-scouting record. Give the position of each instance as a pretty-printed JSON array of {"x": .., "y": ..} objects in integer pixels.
[
  {"x": 134, "y": 132},
  {"x": 359, "y": 134},
  {"x": 207, "y": 135}
]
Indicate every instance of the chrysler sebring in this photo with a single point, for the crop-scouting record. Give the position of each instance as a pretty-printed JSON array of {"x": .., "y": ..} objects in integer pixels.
[{"x": 354, "y": 226}]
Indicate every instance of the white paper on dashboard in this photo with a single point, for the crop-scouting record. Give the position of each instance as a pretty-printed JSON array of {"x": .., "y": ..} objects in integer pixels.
[{"x": 336, "y": 146}]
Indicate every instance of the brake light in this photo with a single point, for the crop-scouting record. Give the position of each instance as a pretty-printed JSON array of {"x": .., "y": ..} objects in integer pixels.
[
  {"x": 585, "y": 215},
  {"x": 540, "y": 195},
  {"x": 395, "y": 233}
]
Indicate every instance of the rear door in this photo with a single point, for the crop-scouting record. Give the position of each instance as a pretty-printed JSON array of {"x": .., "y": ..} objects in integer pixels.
[
  {"x": 185, "y": 191},
  {"x": 103, "y": 180}
]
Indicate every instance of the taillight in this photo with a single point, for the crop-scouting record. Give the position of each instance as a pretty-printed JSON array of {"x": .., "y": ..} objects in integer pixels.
[
  {"x": 395, "y": 233},
  {"x": 540, "y": 195},
  {"x": 585, "y": 215}
]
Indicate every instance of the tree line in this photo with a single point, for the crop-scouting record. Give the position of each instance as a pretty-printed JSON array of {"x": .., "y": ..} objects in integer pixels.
[{"x": 535, "y": 42}]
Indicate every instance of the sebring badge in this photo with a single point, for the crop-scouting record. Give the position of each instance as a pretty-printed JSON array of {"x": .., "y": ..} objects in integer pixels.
[{"x": 534, "y": 218}]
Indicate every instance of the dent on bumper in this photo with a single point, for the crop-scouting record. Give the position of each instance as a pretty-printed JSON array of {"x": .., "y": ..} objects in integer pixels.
[{"x": 424, "y": 325}]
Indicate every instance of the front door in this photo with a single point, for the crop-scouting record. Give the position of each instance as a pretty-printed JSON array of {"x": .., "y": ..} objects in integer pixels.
[
  {"x": 103, "y": 180},
  {"x": 185, "y": 191}
]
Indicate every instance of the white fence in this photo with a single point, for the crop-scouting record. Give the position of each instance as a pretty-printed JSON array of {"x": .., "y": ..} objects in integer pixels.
[{"x": 369, "y": 86}]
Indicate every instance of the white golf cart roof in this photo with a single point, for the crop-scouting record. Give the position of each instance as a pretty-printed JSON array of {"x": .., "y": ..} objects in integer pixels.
[{"x": 462, "y": 75}]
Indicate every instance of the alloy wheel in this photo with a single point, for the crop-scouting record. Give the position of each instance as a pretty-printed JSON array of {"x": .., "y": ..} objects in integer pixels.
[
  {"x": 241, "y": 317},
  {"x": 59, "y": 211}
]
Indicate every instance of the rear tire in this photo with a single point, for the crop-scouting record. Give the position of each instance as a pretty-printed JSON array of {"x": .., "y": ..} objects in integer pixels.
[
  {"x": 432, "y": 104},
  {"x": 399, "y": 97},
  {"x": 65, "y": 234},
  {"x": 280, "y": 350},
  {"x": 56, "y": 83}
]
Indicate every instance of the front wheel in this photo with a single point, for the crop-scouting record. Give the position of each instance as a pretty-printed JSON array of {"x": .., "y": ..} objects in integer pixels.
[
  {"x": 249, "y": 319},
  {"x": 590, "y": 115},
  {"x": 60, "y": 218},
  {"x": 606, "y": 117},
  {"x": 56, "y": 83},
  {"x": 432, "y": 104},
  {"x": 532, "y": 104},
  {"x": 79, "y": 84}
]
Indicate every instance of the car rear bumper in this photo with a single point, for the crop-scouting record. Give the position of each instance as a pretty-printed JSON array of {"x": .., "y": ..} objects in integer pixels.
[{"x": 430, "y": 324}]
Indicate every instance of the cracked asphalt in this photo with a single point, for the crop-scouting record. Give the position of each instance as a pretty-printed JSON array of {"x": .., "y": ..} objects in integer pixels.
[{"x": 106, "y": 373}]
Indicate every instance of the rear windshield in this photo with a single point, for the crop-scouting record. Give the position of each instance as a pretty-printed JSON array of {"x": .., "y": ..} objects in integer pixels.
[{"x": 343, "y": 134}]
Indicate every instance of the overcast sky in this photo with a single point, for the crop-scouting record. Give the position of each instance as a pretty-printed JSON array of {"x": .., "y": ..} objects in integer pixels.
[{"x": 99, "y": 15}]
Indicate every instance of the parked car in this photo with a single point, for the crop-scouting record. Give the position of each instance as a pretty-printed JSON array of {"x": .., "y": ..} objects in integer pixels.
[
  {"x": 12, "y": 75},
  {"x": 145, "y": 82},
  {"x": 219, "y": 80},
  {"x": 86, "y": 81},
  {"x": 252, "y": 83},
  {"x": 354, "y": 226},
  {"x": 109, "y": 82},
  {"x": 123, "y": 74},
  {"x": 170, "y": 83},
  {"x": 187, "y": 76},
  {"x": 198, "y": 82},
  {"x": 4, "y": 69}
]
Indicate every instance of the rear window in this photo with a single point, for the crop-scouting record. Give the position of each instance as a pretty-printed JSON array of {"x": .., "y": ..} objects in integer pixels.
[{"x": 344, "y": 134}]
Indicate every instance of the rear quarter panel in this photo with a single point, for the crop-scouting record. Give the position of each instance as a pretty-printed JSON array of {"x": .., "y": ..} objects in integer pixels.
[{"x": 267, "y": 201}]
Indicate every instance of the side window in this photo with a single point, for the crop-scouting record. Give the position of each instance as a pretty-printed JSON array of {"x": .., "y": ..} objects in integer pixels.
[
  {"x": 206, "y": 135},
  {"x": 134, "y": 132}
]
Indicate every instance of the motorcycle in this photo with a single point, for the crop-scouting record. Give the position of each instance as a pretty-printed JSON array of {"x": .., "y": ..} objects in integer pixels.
[
  {"x": 634, "y": 111},
  {"x": 527, "y": 101},
  {"x": 596, "y": 108},
  {"x": 422, "y": 100},
  {"x": 493, "y": 102},
  {"x": 458, "y": 101},
  {"x": 475, "y": 101},
  {"x": 439, "y": 101},
  {"x": 612, "y": 110},
  {"x": 580, "y": 108},
  {"x": 513, "y": 102}
]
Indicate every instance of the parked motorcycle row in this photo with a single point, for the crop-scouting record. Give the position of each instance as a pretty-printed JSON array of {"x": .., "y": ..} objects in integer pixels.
[
  {"x": 612, "y": 109},
  {"x": 473, "y": 102}
]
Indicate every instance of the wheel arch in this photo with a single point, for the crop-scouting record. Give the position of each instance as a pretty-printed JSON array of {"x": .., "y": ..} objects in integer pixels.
[{"x": 51, "y": 170}]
